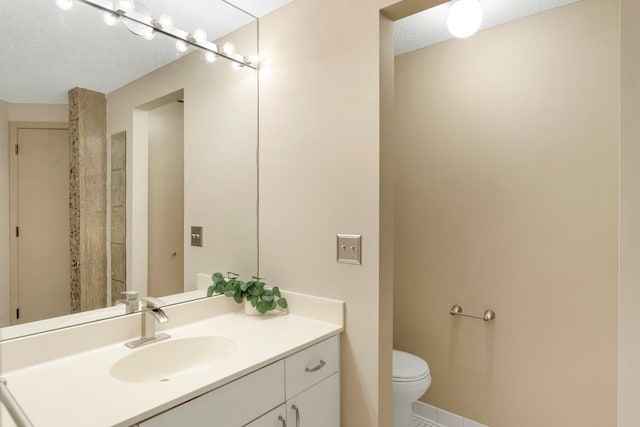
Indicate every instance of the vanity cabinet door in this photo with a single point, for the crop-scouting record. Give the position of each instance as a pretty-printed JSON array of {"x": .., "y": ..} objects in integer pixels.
[
  {"x": 318, "y": 406},
  {"x": 219, "y": 408},
  {"x": 275, "y": 418}
]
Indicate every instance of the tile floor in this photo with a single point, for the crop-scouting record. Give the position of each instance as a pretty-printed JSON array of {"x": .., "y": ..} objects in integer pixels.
[{"x": 421, "y": 422}]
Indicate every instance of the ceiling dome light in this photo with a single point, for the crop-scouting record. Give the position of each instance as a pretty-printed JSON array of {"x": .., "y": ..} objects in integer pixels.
[
  {"x": 465, "y": 18},
  {"x": 64, "y": 4},
  {"x": 143, "y": 30}
]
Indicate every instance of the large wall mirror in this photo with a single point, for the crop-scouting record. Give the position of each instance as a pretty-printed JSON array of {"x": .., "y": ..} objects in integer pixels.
[{"x": 127, "y": 138}]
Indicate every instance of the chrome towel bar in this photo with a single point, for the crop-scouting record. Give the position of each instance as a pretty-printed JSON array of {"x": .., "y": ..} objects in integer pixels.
[
  {"x": 456, "y": 310},
  {"x": 14, "y": 409}
]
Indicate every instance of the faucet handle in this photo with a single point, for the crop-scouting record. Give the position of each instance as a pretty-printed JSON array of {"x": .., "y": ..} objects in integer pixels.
[
  {"x": 151, "y": 312},
  {"x": 151, "y": 302},
  {"x": 129, "y": 295},
  {"x": 130, "y": 300}
]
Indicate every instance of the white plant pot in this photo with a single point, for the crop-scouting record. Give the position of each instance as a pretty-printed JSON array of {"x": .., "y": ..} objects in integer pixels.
[{"x": 250, "y": 310}]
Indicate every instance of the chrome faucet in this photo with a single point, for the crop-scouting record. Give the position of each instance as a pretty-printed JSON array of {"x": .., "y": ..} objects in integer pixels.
[
  {"x": 130, "y": 301},
  {"x": 151, "y": 313}
]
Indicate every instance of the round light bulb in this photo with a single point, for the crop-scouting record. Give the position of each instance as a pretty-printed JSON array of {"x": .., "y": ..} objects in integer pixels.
[
  {"x": 228, "y": 49},
  {"x": 465, "y": 18},
  {"x": 64, "y": 4},
  {"x": 165, "y": 21},
  {"x": 210, "y": 57},
  {"x": 181, "y": 46},
  {"x": 125, "y": 5},
  {"x": 253, "y": 60},
  {"x": 240, "y": 63},
  {"x": 200, "y": 35},
  {"x": 149, "y": 34},
  {"x": 110, "y": 19}
]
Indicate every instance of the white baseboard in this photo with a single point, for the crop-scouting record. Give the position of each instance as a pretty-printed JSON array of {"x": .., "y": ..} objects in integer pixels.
[{"x": 441, "y": 417}]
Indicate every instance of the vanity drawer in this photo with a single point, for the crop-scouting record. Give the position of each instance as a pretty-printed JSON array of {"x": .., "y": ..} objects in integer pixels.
[
  {"x": 312, "y": 365},
  {"x": 275, "y": 418},
  {"x": 264, "y": 389}
]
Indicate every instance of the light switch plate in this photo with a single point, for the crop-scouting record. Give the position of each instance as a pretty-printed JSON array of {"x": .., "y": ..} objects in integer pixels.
[
  {"x": 196, "y": 236},
  {"x": 350, "y": 248}
]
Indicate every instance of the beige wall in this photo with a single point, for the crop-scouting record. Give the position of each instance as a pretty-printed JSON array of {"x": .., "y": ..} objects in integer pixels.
[
  {"x": 18, "y": 113},
  {"x": 507, "y": 198},
  {"x": 629, "y": 382},
  {"x": 320, "y": 175},
  {"x": 220, "y": 142},
  {"x": 387, "y": 143},
  {"x": 38, "y": 112}
]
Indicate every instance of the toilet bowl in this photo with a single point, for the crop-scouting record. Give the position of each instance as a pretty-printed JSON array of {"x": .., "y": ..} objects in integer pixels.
[{"x": 411, "y": 379}]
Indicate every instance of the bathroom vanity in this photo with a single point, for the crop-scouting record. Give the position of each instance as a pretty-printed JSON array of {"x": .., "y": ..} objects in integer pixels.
[
  {"x": 220, "y": 367},
  {"x": 304, "y": 389}
]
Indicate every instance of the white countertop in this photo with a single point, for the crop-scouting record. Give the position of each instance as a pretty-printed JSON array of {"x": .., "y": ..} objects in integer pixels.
[{"x": 78, "y": 390}]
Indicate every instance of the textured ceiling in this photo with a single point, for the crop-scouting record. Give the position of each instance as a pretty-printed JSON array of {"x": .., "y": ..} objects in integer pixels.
[
  {"x": 259, "y": 7},
  {"x": 430, "y": 27},
  {"x": 47, "y": 51}
]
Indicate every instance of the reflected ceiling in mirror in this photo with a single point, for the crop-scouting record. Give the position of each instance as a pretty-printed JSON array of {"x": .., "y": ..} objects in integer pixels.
[{"x": 53, "y": 50}]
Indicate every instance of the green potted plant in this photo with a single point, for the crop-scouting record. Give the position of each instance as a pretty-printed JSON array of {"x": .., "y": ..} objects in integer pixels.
[{"x": 255, "y": 294}]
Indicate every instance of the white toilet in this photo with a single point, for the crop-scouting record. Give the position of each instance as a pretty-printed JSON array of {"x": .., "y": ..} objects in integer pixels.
[{"x": 411, "y": 379}]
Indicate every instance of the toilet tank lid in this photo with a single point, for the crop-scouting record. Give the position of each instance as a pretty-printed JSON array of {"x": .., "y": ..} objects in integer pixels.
[{"x": 408, "y": 366}]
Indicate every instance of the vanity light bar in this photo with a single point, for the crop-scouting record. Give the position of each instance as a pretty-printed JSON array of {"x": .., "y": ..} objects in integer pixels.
[{"x": 176, "y": 33}]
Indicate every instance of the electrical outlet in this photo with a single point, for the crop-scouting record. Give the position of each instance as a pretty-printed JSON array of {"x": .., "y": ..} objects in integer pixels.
[{"x": 350, "y": 248}]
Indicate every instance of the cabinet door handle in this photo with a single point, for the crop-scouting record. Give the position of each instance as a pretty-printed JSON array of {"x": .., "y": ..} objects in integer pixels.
[
  {"x": 282, "y": 420},
  {"x": 317, "y": 367},
  {"x": 295, "y": 408}
]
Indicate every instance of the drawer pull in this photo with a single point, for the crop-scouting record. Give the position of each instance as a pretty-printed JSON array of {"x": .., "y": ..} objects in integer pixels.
[
  {"x": 283, "y": 421},
  {"x": 295, "y": 408},
  {"x": 317, "y": 367}
]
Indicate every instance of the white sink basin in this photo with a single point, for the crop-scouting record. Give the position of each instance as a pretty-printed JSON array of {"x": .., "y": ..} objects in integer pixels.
[{"x": 162, "y": 361}]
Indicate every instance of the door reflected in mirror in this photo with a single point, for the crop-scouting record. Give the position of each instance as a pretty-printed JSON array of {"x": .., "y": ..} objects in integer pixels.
[{"x": 39, "y": 182}]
